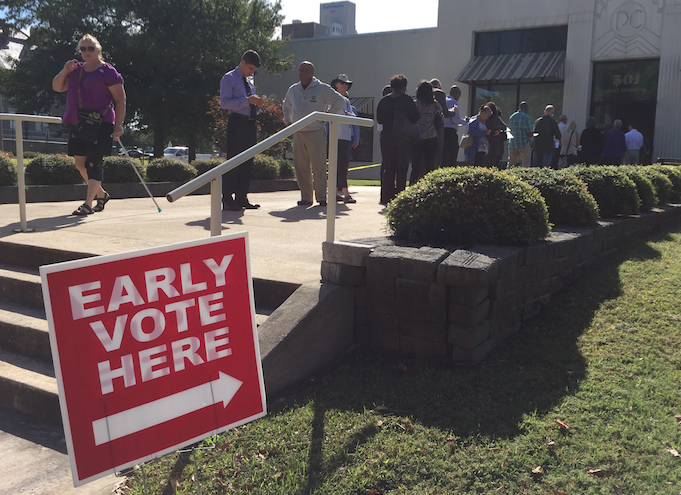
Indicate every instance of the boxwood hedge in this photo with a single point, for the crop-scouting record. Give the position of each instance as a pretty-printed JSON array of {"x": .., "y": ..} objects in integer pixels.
[
  {"x": 646, "y": 191},
  {"x": 119, "y": 169},
  {"x": 170, "y": 170},
  {"x": 203, "y": 165},
  {"x": 614, "y": 192},
  {"x": 52, "y": 170},
  {"x": 663, "y": 186},
  {"x": 567, "y": 197},
  {"x": 8, "y": 172},
  {"x": 465, "y": 205},
  {"x": 674, "y": 175},
  {"x": 264, "y": 167}
]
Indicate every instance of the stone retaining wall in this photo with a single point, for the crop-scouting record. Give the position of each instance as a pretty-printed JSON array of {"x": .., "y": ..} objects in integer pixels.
[{"x": 463, "y": 302}]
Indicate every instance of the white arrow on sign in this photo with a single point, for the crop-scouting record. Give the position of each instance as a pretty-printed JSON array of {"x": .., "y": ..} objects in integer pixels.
[{"x": 162, "y": 410}]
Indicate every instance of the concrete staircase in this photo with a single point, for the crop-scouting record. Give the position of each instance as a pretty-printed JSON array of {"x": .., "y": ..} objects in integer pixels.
[{"x": 27, "y": 379}]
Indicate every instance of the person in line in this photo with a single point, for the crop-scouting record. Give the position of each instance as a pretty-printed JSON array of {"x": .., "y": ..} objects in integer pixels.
[
  {"x": 96, "y": 86},
  {"x": 309, "y": 95},
  {"x": 544, "y": 145},
  {"x": 396, "y": 152},
  {"x": 237, "y": 95},
  {"x": 562, "y": 125},
  {"x": 430, "y": 121},
  {"x": 592, "y": 143},
  {"x": 634, "y": 140},
  {"x": 441, "y": 98},
  {"x": 476, "y": 153},
  {"x": 496, "y": 137},
  {"x": 342, "y": 84},
  {"x": 519, "y": 145},
  {"x": 387, "y": 89},
  {"x": 569, "y": 144},
  {"x": 453, "y": 120},
  {"x": 614, "y": 144}
]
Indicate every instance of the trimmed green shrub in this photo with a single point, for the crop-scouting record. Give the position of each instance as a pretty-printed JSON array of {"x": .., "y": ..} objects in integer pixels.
[
  {"x": 119, "y": 170},
  {"x": 646, "y": 191},
  {"x": 52, "y": 170},
  {"x": 30, "y": 154},
  {"x": 264, "y": 167},
  {"x": 674, "y": 175},
  {"x": 465, "y": 205},
  {"x": 567, "y": 197},
  {"x": 170, "y": 170},
  {"x": 8, "y": 172},
  {"x": 286, "y": 169},
  {"x": 614, "y": 192},
  {"x": 204, "y": 165},
  {"x": 661, "y": 183}
]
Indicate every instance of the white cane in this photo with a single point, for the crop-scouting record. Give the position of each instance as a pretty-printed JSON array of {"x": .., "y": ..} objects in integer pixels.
[{"x": 138, "y": 174}]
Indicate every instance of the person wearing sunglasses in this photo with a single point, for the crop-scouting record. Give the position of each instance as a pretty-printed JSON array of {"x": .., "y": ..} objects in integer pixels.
[{"x": 94, "y": 113}]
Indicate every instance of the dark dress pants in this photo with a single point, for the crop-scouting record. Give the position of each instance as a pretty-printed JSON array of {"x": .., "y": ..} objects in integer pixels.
[
  {"x": 241, "y": 135},
  {"x": 450, "y": 151},
  {"x": 396, "y": 155},
  {"x": 423, "y": 159}
]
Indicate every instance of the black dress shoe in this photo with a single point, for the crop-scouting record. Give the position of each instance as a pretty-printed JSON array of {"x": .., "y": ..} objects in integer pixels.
[
  {"x": 250, "y": 206},
  {"x": 304, "y": 202}
]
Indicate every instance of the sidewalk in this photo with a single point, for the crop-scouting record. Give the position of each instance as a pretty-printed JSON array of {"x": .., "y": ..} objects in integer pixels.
[
  {"x": 285, "y": 243},
  {"x": 285, "y": 239}
]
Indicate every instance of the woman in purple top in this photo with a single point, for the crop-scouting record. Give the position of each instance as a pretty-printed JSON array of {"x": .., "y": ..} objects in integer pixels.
[{"x": 96, "y": 86}]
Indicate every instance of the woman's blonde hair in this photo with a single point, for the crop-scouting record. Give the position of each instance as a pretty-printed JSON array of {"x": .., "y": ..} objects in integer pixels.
[{"x": 89, "y": 37}]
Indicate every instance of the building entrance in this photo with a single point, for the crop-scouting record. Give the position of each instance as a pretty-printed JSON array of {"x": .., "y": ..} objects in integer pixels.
[{"x": 627, "y": 91}]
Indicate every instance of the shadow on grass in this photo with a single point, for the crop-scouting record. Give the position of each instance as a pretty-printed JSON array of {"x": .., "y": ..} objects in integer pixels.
[{"x": 530, "y": 373}]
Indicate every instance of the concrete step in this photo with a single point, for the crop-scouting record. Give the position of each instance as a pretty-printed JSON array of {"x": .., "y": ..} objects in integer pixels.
[
  {"x": 21, "y": 285},
  {"x": 28, "y": 385},
  {"x": 24, "y": 330}
]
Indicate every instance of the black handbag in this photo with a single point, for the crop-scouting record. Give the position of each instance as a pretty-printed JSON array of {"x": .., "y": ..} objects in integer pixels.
[
  {"x": 89, "y": 121},
  {"x": 403, "y": 128}
]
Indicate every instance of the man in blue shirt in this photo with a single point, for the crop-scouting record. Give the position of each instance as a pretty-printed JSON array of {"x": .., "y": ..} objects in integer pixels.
[
  {"x": 237, "y": 94},
  {"x": 519, "y": 145}
]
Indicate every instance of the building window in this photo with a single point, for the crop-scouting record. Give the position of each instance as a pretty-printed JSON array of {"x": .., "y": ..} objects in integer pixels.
[
  {"x": 508, "y": 97},
  {"x": 545, "y": 39}
]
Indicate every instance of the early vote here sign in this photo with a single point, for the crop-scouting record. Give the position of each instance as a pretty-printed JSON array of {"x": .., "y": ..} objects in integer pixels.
[{"x": 153, "y": 350}]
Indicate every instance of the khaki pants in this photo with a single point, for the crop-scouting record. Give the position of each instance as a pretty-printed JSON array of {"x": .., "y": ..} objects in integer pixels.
[
  {"x": 632, "y": 157},
  {"x": 525, "y": 154},
  {"x": 309, "y": 160}
]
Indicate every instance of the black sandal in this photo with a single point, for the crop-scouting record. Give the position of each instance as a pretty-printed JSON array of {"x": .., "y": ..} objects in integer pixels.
[
  {"x": 83, "y": 210},
  {"x": 101, "y": 202}
]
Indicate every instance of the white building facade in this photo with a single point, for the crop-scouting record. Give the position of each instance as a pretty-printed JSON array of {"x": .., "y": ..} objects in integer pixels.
[{"x": 613, "y": 59}]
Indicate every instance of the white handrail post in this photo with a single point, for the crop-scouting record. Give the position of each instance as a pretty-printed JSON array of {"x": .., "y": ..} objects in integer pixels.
[
  {"x": 216, "y": 206},
  {"x": 332, "y": 182},
  {"x": 21, "y": 184}
]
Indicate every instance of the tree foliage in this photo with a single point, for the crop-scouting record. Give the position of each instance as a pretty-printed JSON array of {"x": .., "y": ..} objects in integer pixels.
[{"x": 171, "y": 53}]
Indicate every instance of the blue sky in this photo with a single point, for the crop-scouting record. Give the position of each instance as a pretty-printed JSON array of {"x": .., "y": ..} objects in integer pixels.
[{"x": 371, "y": 15}]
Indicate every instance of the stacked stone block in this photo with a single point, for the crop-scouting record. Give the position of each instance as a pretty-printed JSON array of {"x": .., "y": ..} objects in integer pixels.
[{"x": 463, "y": 303}]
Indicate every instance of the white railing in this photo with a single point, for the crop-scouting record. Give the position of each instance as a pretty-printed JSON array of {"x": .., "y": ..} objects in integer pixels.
[
  {"x": 18, "y": 119},
  {"x": 214, "y": 176}
]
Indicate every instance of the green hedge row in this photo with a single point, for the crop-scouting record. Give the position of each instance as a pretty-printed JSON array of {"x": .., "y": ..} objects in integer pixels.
[
  {"x": 465, "y": 205},
  {"x": 60, "y": 169}
]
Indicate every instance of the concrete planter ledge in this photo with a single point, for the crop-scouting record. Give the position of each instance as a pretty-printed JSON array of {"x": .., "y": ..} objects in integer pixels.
[
  {"x": 462, "y": 303},
  {"x": 75, "y": 192}
]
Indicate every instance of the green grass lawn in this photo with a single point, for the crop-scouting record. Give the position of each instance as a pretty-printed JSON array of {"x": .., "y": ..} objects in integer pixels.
[
  {"x": 604, "y": 359},
  {"x": 363, "y": 182}
]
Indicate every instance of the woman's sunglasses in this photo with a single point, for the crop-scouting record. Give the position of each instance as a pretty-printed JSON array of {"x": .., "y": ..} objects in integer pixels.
[{"x": 87, "y": 48}]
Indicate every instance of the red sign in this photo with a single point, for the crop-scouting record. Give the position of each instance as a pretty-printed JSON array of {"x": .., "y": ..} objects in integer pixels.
[{"x": 153, "y": 350}]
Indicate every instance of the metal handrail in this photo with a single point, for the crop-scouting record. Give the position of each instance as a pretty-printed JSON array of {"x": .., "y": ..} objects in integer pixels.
[
  {"x": 214, "y": 176},
  {"x": 18, "y": 119}
]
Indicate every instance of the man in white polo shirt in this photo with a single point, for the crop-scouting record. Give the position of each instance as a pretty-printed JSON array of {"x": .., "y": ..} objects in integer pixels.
[{"x": 634, "y": 144}]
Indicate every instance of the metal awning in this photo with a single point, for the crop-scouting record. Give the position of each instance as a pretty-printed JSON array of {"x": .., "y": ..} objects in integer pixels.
[
  {"x": 513, "y": 66},
  {"x": 364, "y": 105}
]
